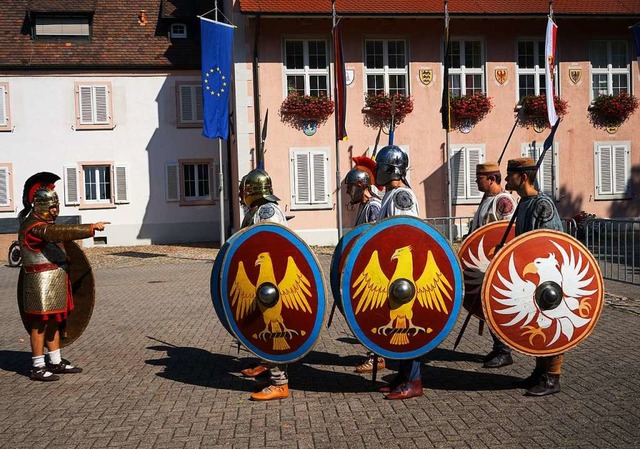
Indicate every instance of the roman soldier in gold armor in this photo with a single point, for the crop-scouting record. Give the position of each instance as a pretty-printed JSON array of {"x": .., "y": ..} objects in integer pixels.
[{"x": 46, "y": 290}]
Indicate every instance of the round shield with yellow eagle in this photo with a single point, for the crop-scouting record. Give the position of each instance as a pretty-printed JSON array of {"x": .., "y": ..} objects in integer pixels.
[
  {"x": 401, "y": 288},
  {"x": 543, "y": 293},
  {"x": 272, "y": 292}
]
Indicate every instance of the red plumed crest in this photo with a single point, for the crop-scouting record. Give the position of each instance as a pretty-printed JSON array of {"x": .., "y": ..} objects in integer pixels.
[{"x": 368, "y": 165}]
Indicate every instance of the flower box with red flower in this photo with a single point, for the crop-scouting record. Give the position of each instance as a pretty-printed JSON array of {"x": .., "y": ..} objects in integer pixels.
[
  {"x": 611, "y": 111},
  {"x": 469, "y": 109},
  {"x": 296, "y": 109},
  {"x": 534, "y": 110},
  {"x": 378, "y": 109}
]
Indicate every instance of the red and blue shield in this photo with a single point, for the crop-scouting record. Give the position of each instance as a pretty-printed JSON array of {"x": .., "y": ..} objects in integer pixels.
[
  {"x": 272, "y": 292},
  {"x": 401, "y": 288},
  {"x": 337, "y": 260},
  {"x": 475, "y": 254},
  {"x": 216, "y": 273},
  {"x": 543, "y": 293}
]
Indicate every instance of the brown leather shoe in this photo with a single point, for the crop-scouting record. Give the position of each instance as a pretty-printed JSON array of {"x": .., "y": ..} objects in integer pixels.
[
  {"x": 254, "y": 371},
  {"x": 395, "y": 383},
  {"x": 548, "y": 384},
  {"x": 406, "y": 390},
  {"x": 271, "y": 392},
  {"x": 367, "y": 365}
]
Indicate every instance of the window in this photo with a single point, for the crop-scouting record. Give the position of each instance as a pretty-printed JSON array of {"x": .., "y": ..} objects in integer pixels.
[
  {"x": 58, "y": 26},
  {"x": 466, "y": 72},
  {"x": 613, "y": 170},
  {"x": 190, "y": 182},
  {"x": 464, "y": 159},
  {"x": 306, "y": 67},
  {"x": 610, "y": 70},
  {"x": 310, "y": 178},
  {"x": 96, "y": 184},
  {"x": 93, "y": 106},
  {"x": 5, "y": 116},
  {"x": 178, "y": 31},
  {"x": 189, "y": 101},
  {"x": 547, "y": 177},
  {"x": 385, "y": 67},
  {"x": 6, "y": 187},
  {"x": 531, "y": 69}
]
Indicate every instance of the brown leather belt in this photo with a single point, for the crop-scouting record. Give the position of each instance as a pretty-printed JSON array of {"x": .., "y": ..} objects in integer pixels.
[{"x": 39, "y": 268}]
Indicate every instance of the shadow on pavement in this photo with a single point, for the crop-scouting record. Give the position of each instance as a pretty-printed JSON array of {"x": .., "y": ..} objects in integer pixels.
[{"x": 18, "y": 362}]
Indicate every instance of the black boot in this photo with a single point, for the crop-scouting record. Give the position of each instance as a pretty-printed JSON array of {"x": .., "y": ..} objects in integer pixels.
[
  {"x": 548, "y": 384},
  {"x": 499, "y": 360},
  {"x": 533, "y": 379}
]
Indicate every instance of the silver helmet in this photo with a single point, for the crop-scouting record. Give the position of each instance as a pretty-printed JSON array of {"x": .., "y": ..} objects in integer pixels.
[
  {"x": 357, "y": 181},
  {"x": 391, "y": 165}
]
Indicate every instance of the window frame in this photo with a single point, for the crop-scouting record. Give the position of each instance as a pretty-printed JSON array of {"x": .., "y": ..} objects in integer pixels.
[
  {"x": 385, "y": 71},
  {"x": 538, "y": 71},
  {"x": 5, "y": 107},
  {"x": 75, "y": 193},
  {"x": 176, "y": 35},
  {"x": 7, "y": 169},
  {"x": 313, "y": 202},
  {"x": 193, "y": 86},
  {"x": 552, "y": 153},
  {"x": 61, "y": 18},
  {"x": 472, "y": 195},
  {"x": 615, "y": 194},
  {"x": 108, "y": 105},
  {"x": 462, "y": 71},
  {"x": 306, "y": 71},
  {"x": 175, "y": 182},
  {"x": 609, "y": 71}
]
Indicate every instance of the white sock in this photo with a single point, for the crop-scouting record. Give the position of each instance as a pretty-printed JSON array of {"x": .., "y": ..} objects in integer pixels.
[
  {"x": 54, "y": 357},
  {"x": 38, "y": 361}
]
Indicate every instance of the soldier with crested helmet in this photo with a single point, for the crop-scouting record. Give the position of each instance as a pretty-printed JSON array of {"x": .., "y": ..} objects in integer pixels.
[{"x": 47, "y": 297}]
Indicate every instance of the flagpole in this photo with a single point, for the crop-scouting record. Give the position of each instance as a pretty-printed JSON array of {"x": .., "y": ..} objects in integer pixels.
[
  {"x": 447, "y": 141},
  {"x": 337, "y": 121}
]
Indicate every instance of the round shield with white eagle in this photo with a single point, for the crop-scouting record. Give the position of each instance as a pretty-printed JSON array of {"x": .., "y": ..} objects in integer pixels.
[
  {"x": 401, "y": 287},
  {"x": 475, "y": 255},
  {"x": 543, "y": 293},
  {"x": 272, "y": 292}
]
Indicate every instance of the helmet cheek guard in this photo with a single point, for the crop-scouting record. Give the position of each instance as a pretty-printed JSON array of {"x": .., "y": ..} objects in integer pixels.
[
  {"x": 392, "y": 163},
  {"x": 43, "y": 200}
]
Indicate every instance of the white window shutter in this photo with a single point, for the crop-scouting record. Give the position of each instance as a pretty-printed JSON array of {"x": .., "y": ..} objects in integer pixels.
[
  {"x": 546, "y": 173},
  {"x": 172, "y": 179},
  {"x": 475, "y": 156},
  {"x": 605, "y": 184},
  {"x": 121, "y": 184},
  {"x": 621, "y": 169},
  {"x": 186, "y": 104},
  {"x": 86, "y": 106},
  {"x": 3, "y": 106},
  {"x": 71, "y": 194},
  {"x": 5, "y": 198},
  {"x": 302, "y": 178},
  {"x": 319, "y": 161},
  {"x": 101, "y": 104},
  {"x": 198, "y": 101},
  {"x": 458, "y": 173}
]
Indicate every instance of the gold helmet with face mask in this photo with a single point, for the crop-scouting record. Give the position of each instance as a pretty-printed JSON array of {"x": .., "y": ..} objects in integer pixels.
[
  {"x": 256, "y": 185},
  {"x": 39, "y": 195}
]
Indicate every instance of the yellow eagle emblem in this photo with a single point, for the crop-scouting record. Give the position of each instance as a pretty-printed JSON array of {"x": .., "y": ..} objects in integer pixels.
[
  {"x": 432, "y": 290},
  {"x": 293, "y": 292}
]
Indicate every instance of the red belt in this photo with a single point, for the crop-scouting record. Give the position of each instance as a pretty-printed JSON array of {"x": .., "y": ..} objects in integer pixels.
[{"x": 39, "y": 268}]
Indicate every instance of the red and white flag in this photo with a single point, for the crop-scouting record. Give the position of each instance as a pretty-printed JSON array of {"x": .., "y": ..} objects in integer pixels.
[{"x": 550, "y": 63}]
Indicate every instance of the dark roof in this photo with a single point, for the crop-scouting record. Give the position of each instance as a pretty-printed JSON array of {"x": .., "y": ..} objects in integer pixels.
[
  {"x": 435, "y": 7},
  {"x": 118, "y": 39},
  {"x": 61, "y": 5}
]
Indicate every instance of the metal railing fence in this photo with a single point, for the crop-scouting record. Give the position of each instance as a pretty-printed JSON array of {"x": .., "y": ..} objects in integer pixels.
[
  {"x": 459, "y": 226},
  {"x": 615, "y": 243}
]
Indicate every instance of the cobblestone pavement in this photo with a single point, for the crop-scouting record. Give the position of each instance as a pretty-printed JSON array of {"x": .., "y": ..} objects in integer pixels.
[{"x": 161, "y": 372}]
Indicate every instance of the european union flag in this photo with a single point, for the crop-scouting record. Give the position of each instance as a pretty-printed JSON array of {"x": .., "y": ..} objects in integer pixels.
[{"x": 217, "y": 44}]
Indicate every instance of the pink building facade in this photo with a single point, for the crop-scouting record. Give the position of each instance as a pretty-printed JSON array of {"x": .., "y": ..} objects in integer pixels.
[{"x": 500, "y": 54}]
